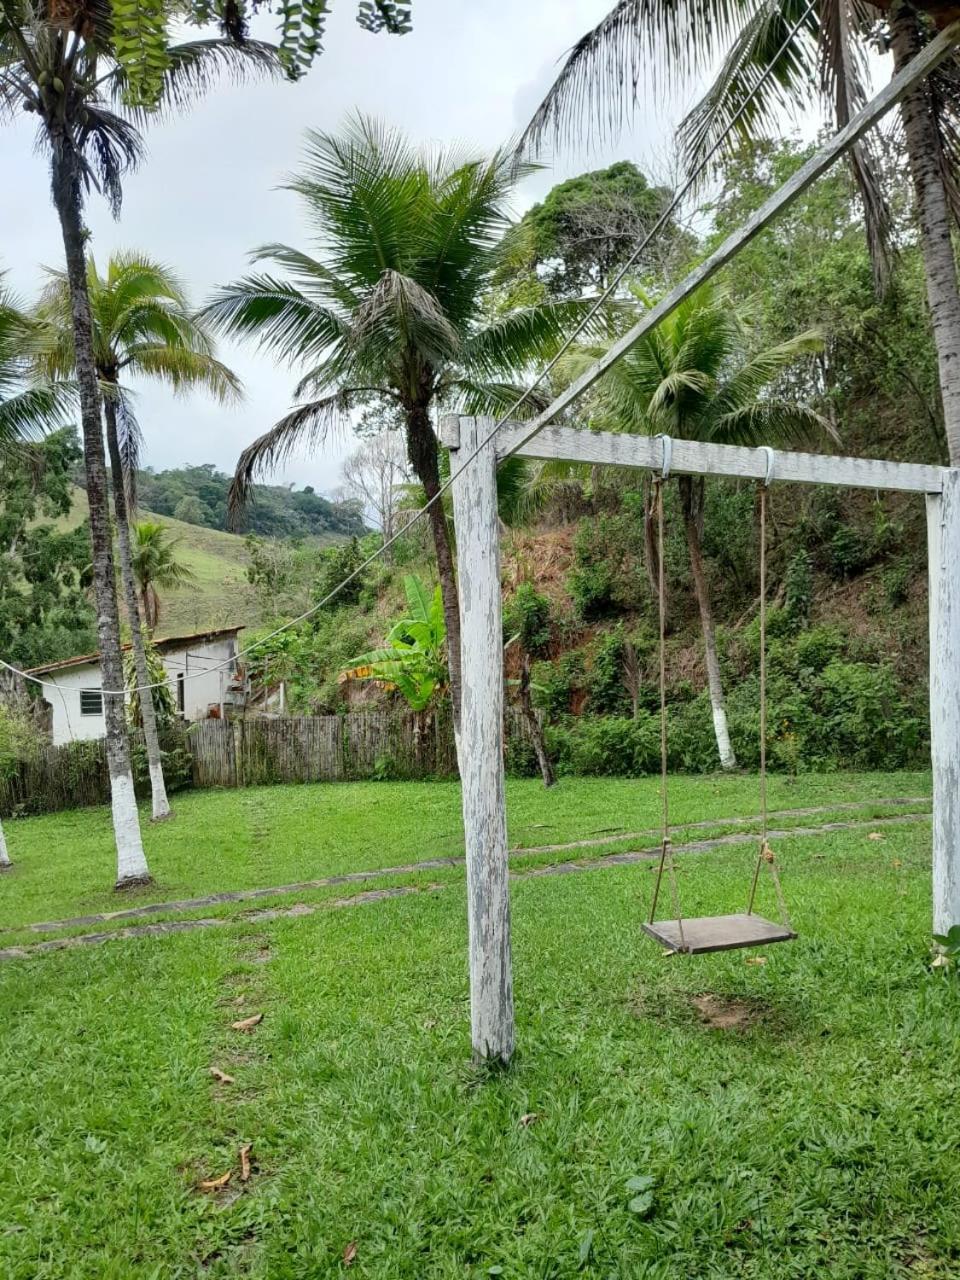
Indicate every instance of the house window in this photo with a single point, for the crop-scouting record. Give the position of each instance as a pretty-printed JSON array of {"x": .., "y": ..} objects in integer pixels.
[
  {"x": 91, "y": 702},
  {"x": 181, "y": 692}
]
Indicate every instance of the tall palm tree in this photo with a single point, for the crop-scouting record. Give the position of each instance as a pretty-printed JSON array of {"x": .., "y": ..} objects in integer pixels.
[
  {"x": 70, "y": 64},
  {"x": 693, "y": 377},
  {"x": 28, "y": 407},
  {"x": 388, "y": 309},
  {"x": 142, "y": 327},
  {"x": 826, "y": 60},
  {"x": 156, "y": 567}
]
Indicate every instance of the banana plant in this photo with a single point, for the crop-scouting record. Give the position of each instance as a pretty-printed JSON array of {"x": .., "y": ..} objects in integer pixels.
[{"x": 412, "y": 659}]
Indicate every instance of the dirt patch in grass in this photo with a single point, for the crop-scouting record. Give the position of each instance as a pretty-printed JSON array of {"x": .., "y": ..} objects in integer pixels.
[{"x": 729, "y": 1013}]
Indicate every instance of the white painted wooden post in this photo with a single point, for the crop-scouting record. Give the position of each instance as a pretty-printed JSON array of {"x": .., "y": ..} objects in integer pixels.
[
  {"x": 943, "y": 558},
  {"x": 481, "y": 738}
]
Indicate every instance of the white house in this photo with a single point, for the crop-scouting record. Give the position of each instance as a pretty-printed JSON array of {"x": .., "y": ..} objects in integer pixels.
[{"x": 201, "y": 670}]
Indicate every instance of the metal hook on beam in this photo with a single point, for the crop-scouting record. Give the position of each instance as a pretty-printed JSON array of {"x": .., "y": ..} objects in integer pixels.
[
  {"x": 667, "y": 457},
  {"x": 771, "y": 463}
]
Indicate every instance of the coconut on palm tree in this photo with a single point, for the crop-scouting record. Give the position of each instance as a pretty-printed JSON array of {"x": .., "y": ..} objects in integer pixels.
[
  {"x": 28, "y": 407},
  {"x": 142, "y": 328},
  {"x": 694, "y": 377},
  {"x": 91, "y": 73},
  {"x": 388, "y": 307},
  {"x": 825, "y": 60},
  {"x": 156, "y": 567}
]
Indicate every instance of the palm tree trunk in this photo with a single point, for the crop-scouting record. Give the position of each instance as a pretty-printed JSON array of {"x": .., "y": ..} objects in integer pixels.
[
  {"x": 691, "y": 502},
  {"x": 943, "y": 296},
  {"x": 131, "y": 862},
  {"x": 158, "y": 788},
  {"x": 4, "y": 852},
  {"x": 422, "y": 451}
]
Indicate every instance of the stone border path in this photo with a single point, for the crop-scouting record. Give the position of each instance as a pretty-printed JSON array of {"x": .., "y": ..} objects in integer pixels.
[
  {"x": 160, "y": 929},
  {"x": 433, "y": 864}
]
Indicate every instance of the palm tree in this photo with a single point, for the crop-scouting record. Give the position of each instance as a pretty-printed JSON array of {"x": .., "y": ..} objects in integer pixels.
[
  {"x": 156, "y": 567},
  {"x": 142, "y": 327},
  {"x": 692, "y": 377},
  {"x": 389, "y": 311},
  {"x": 78, "y": 70},
  {"x": 826, "y": 60},
  {"x": 28, "y": 408}
]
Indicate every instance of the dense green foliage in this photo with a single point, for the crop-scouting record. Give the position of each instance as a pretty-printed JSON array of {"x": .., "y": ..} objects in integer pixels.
[
  {"x": 198, "y": 495},
  {"x": 44, "y": 611},
  {"x": 412, "y": 658}
]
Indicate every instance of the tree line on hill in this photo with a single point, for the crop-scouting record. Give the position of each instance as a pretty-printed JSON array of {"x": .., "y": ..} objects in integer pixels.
[{"x": 200, "y": 495}]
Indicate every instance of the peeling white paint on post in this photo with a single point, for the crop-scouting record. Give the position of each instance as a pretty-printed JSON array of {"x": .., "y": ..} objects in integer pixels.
[
  {"x": 943, "y": 557},
  {"x": 481, "y": 739},
  {"x": 4, "y": 854}
]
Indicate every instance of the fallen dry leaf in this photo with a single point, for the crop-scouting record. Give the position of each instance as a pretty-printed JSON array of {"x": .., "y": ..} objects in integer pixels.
[
  {"x": 940, "y": 962},
  {"x": 245, "y": 1162},
  {"x": 221, "y": 1076},
  {"x": 875, "y": 835},
  {"x": 755, "y": 960},
  {"x": 530, "y": 1118},
  {"x": 247, "y": 1024},
  {"x": 216, "y": 1184},
  {"x": 896, "y": 864},
  {"x": 350, "y": 1253}
]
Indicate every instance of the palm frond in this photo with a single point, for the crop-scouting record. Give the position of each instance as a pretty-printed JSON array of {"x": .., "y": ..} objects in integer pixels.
[
  {"x": 769, "y": 422},
  {"x": 305, "y": 426},
  {"x": 601, "y": 74},
  {"x": 399, "y": 315},
  {"x": 193, "y": 68},
  {"x": 277, "y": 315}
]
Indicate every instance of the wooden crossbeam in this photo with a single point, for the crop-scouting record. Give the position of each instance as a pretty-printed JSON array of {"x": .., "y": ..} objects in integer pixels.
[
  {"x": 693, "y": 458},
  {"x": 930, "y": 57}
]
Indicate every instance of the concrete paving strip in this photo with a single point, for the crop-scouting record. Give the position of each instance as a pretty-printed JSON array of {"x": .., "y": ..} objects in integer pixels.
[
  {"x": 431, "y": 864},
  {"x": 299, "y": 909}
]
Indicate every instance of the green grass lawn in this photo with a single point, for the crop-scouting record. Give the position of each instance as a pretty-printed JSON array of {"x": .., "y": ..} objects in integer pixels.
[
  {"x": 277, "y": 835},
  {"x": 815, "y": 1135}
]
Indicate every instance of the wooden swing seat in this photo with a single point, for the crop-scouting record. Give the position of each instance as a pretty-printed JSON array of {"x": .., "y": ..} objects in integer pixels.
[{"x": 718, "y": 933}]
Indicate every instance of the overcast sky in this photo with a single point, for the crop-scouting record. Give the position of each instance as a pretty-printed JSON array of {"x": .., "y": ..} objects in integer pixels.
[{"x": 207, "y": 192}]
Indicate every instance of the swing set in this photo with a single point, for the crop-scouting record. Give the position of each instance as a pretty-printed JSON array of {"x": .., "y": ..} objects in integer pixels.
[{"x": 478, "y": 444}]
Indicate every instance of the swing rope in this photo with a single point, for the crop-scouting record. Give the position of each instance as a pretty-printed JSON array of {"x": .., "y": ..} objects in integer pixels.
[
  {"x": 666, "y": 851},
  {"x": 765, "y": 855}
]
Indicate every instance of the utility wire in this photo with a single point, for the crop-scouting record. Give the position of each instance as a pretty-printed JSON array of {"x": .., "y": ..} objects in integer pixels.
[{"x": 603, "y": 297}]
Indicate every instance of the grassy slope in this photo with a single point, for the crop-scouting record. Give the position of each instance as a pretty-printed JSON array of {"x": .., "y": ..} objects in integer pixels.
[
  {"x": 218, "y": 596},
  {"x": 815, "y": 1139}
]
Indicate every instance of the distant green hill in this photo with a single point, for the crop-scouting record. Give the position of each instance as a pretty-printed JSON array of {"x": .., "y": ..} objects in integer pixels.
[
  {"x": 199, "y": 495},
  {"x": 219, "y": 595}
]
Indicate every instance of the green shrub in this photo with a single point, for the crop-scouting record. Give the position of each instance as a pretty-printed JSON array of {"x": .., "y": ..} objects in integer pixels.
[
  {"x": 555, "y": 683},
  {"x": 798, "y": 588},
  {"x": 605, "y": 684},
  {"x": 607, "y": 746},
  {"x": 527, "y": 615}
]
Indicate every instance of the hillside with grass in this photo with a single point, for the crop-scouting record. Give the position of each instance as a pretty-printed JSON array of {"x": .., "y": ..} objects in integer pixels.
[{"x": 218, "y": 595}]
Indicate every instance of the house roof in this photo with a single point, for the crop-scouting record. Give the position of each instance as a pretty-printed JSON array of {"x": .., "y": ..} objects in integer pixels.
[{"x": 165, "y": 645}]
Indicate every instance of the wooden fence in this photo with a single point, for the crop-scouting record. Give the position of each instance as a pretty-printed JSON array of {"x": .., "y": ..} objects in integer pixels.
[{"x": 243, "y": 753}]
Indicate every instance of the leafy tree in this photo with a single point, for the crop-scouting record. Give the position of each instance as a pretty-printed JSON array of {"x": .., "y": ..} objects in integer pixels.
[
  {"x": 694, "y": 377},
  {"x": 389, "y": 311},
  {"x": 411, "y": 659},
  {"x": 156, "y": 567},
  {"x": 142, "y": 327},
  {"x": 587, "y": 228},
  {"x": 190, "y": 510},
  {"x": 44, "y": 611},
  {"x": 825, "y": 61}
]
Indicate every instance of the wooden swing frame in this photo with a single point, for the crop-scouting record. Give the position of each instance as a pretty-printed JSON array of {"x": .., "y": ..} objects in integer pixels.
[{"x": 479, "y": 444}]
